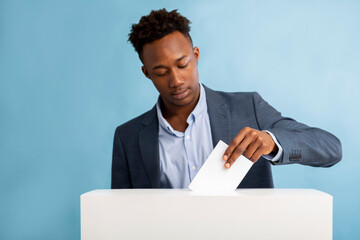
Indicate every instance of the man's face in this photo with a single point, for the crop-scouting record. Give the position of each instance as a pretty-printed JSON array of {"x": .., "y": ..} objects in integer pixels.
[{"x": 171, "y": 64}]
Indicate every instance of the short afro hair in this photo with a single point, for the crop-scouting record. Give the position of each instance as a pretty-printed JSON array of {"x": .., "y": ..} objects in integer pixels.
[{"x": 157, "y": 25}]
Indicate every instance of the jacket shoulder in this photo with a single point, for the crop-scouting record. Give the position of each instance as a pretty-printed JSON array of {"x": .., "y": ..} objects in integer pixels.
[
  {"x": 231, "y": 97},
  {"x": 136, "y": 124}
]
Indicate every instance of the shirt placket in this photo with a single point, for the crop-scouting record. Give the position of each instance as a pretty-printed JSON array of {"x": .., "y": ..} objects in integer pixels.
[{"x": 188, "y": 143}]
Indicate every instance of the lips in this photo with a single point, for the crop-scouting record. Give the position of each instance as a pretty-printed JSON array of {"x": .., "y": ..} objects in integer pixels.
[{"x": 180, "y": 94}]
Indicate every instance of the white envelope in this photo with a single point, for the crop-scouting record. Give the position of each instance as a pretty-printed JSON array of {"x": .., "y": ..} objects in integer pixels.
[{"x": 213, "y": 177}]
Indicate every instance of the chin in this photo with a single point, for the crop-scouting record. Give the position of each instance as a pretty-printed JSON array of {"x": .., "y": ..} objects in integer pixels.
[{"x": 185, "y": 101}]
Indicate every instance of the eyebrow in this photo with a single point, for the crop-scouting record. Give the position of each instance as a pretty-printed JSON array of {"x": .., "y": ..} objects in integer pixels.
[{"x": 162, "y": 66}]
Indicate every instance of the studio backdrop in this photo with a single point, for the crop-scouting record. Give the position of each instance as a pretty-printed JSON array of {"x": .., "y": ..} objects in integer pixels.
[{"x": 68, "y": 78}]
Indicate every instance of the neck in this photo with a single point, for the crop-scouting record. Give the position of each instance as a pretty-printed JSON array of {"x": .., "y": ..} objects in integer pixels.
[{"x": 176, "y": 111}]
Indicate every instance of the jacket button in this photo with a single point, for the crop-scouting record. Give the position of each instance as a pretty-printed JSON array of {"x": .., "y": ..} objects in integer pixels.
[{"x": 295, "y": 155}]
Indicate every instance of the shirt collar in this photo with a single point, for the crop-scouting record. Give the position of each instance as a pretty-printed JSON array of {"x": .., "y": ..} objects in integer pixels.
[{"x": 199, "y": 109}]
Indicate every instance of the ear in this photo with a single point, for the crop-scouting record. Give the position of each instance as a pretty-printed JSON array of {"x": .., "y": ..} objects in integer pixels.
[
  {"x": 196, "y": 53},
  {"x": 145, "y": 72}
]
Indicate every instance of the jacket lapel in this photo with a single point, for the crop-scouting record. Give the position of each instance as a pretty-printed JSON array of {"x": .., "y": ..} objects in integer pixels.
[
  {"x": 219, "y": 115},
  {"x": 149, "y": 147}
]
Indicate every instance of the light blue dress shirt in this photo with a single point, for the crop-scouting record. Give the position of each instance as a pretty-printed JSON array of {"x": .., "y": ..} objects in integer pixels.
[{"x": 183, "y": 153}]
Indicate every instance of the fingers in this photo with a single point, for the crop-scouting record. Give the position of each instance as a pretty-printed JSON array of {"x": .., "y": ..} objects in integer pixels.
[
  {"x": 253, "y": 142},
  {"x": 238, "y": 151},
  {"x": 256, "y": 155},
  {"x": 238, "y": 145},
  {"x": 254, "y": 150},
  {"x": 251, "y": 150},
  {"x": 235, "y": 143}
]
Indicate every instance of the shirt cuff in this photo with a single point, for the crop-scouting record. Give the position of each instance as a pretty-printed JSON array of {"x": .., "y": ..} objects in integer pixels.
[{"x": 271, "y": 156}]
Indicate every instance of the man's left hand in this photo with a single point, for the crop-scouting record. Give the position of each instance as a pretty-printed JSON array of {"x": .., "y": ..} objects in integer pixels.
[{"x": 253, "y": 142}]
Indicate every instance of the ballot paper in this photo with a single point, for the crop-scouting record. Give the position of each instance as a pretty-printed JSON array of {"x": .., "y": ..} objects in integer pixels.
[{"x": 213, "y": 177}]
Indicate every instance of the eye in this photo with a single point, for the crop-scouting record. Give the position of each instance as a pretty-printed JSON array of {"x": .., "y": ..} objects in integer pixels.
[
  {"x": 161, "y": 73},
  {"x": 183, "y": 66}
]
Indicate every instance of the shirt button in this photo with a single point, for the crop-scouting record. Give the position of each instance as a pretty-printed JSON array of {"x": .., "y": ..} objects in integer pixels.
[
  {"x": 187, "y": 137},
  {"x": 193, "y": 167}
]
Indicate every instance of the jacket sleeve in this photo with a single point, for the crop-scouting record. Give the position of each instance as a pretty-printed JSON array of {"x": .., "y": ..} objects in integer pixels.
[
  {"x": 301, "y": 144},
  {"x": 120, "y": 175}
]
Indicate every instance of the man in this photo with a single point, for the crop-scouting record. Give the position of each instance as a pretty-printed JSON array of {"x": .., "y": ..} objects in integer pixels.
[{"x": 166, "y": 146}]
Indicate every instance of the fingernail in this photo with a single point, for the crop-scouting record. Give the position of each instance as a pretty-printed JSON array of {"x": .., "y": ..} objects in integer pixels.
[
  {"x": 225, "y": 157},
  {"x": 227, "y": 165}
]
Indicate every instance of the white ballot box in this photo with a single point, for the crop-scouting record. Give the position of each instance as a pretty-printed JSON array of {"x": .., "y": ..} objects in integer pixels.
[{"x": 183, "y": 214}]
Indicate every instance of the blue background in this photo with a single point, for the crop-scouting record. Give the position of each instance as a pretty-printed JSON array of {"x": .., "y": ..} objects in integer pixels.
[{"x": 69, "y": 77}]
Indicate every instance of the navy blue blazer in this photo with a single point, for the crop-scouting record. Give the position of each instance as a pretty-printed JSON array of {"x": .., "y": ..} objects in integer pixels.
[{"x": 136, "y": 162}]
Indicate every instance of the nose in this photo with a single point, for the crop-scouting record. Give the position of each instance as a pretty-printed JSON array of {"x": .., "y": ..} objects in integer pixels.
[{"x": 175, "y": 79}]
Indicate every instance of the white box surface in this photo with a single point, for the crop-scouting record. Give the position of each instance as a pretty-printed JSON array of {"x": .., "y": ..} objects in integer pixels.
[{"x": 182, "y": 214}]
